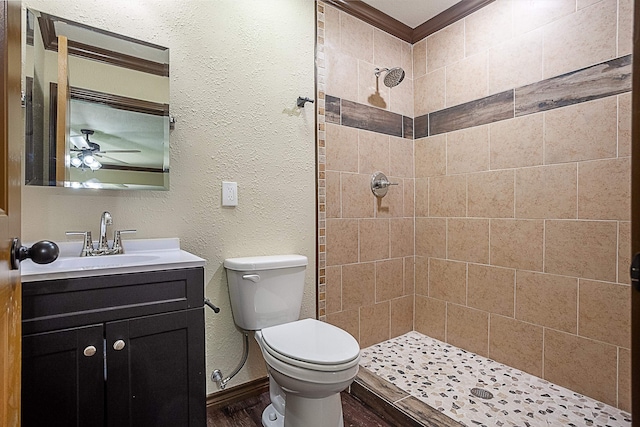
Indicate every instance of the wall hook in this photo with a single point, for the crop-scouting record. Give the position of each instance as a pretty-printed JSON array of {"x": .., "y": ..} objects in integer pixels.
[{"x": 301, "y": 101}]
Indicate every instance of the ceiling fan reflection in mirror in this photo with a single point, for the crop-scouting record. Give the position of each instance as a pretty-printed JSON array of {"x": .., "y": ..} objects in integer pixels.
[{"x": 87, "y": 151}]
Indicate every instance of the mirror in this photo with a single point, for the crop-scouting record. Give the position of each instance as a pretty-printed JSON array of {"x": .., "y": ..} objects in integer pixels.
[{"x": 97, "y": 107}]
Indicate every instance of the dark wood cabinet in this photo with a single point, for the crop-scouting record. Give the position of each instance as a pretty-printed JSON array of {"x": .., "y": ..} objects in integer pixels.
[{"x": 115, "y": 351}]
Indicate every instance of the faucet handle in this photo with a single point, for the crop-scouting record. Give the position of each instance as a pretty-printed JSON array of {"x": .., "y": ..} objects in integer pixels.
[
  {"x": 117, "y": 240},
  {"x": 87, "y": 244}
]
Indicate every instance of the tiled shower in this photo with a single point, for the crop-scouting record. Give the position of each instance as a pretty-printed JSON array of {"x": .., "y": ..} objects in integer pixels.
[{"x": 508, "y": 234}]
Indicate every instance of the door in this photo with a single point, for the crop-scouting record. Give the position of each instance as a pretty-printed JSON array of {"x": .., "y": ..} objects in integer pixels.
[
  {"x": 11, "y": 136},
  {"x": 63, "y": 378},
  {"x": 155, "y": 370}
]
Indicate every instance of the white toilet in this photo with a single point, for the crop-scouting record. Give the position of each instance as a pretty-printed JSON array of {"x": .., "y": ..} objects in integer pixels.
[{"x": 309, "y": 362}]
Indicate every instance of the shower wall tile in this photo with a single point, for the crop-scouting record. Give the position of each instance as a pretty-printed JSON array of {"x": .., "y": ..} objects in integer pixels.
[
  {"x": 332, "y": 28},
  {"x": 547, "y": 300},
  {"x": 431, "y": 156},
  {"x": 448, "y": 280},
  {"x": 422, "y": 197},
  {"x": 516, "y": 62},
  {"x": 624, "y": 251},
  {"x": 342, "y": 148},
  {"x": 334, "y": 289},
  {"x": 356, "y": 38},
  {"x": 468, "y": 240},
  {"x": 409, "y": 201},
  {"x": 431, "y": 237},
  {"x": 488, "y": 27},
  {"x": 348, "y": 320},
  {"x": 374, "y": 239},
  {"x": 401, "y": 97},
  {"x": 420, "y": 58},
  {"x": 491, "y": 194},
  {"x": 580, "y": 364},
  {"x": 371, "y": 118},
  {"x": 373, "y": 149},
  {"x": 448, "y": 196},
  {"x": 597, "y": 81},
  {"x": 389, "y": 279},
  {"x": 474, "y": 113},
  {"x": 400, "y": 157},
  {"x": 430, "y": 317},
  {"x": 581, "y": 39},
  {"x": 529, "y": 15},
  {"x": 422, "y": 276},
  {"x": 466, "y": 80},
  {"x": 605, "y": 312},
  {"x": 517, "y": 243},
  {"x": 624, "y": 379},
  {"x": 516, "y": 344},
  {"x": 358, "y": 285},
  {"x": 605, "y": 189},
  {"x": 584, "y": 131},
  {"x": 333, "y": 202},
  {"x": 387, "y": 49},
  {"x": 401, "y": 316},
  {"x": 409, "y": 276},
  {"x": 491, "y": 289},
  {"x": 446, "y": 46},
  {"x": 374, "y": 323},
  {"x": 355, "y": 202},
  {"x": 584, "y": 249},
  {"x": 625, "y": 27},
  {"x": 342, "y": 241},
  {"x": 421, "y": 126},
  {"x": 407, "y": 60},
  {"x": 468, "y": 150},
  {"x": 341, "y": 72},
  {"x": 624, "y": 124},
  {"x": 517, "y": 142},
  {"x": 468, "y": 328},
  {"x": 401, "y": 236},
  {"x": 429, "y": 93},
  {"x": 547, "y": 192}
]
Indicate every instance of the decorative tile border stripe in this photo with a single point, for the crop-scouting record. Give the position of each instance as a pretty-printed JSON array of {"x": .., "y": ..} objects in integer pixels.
[
  {"x": 475, "y": 113},
  {"x": 407, "y": 127},
  {"x": 332, "y": 109},
  {"x": 323, "y": 104},
  {"x": 371, "y": 118},
  {"x": 598, "y": 81}
]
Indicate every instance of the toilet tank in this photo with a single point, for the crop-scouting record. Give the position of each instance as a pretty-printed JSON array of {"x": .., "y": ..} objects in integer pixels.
[{"x": 265, "y": 290}]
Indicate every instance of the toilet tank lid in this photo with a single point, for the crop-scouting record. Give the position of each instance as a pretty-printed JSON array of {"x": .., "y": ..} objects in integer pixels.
[{"x": 269, "y": 262}]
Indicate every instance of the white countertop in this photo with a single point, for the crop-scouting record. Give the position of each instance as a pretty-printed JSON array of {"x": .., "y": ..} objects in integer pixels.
[{"x": 140, "y": 255}]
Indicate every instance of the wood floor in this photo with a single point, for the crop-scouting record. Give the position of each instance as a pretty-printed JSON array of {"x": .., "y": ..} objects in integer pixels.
[{"x": 248, "y": 413}]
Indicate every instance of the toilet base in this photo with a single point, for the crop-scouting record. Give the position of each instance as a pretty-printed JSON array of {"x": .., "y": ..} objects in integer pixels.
[
  {"x": 271, "y": 418},
  {"x": 301, "y": 411}
]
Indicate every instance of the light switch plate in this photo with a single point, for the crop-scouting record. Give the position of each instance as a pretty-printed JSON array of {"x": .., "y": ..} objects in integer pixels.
[{"x": 229, "y": 193}]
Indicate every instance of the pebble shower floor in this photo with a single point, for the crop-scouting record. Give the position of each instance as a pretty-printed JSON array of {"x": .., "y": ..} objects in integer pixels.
[{"x": 442, "y": 376}]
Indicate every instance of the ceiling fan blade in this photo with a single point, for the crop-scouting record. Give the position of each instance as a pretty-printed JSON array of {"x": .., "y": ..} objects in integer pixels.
[
  {"x": 79, "y": 141},
  {"x": 120, "y": 151},
  {"x": 112, "y": 158}
]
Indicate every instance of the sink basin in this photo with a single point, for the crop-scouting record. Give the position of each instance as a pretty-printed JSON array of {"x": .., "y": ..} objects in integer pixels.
[{"x": 140, "y": 255}]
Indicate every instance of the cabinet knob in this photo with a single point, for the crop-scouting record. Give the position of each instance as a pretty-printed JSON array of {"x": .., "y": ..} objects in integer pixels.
[
  {"x": 89, "y": 351},
  {"x": 118, "y": 345}
]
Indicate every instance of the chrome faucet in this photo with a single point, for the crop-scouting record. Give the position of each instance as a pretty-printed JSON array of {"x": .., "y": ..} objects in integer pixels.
[
  {"x": 103, "y": 244},
  {"x": 105, "y": 220}
]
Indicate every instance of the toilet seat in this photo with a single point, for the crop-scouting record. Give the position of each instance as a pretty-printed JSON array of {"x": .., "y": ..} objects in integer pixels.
[{"x": 311, "y": 344}]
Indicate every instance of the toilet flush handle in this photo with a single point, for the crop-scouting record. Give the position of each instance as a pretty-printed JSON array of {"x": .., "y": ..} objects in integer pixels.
[{"x": 255, "y": 278}]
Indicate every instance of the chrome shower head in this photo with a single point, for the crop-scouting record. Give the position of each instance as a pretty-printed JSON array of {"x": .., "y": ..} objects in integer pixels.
[{"x": 393, "y": 77}]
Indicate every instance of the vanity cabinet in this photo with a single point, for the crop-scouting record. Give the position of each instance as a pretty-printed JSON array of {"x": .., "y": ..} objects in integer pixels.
[{"x": 117, "y": 350}]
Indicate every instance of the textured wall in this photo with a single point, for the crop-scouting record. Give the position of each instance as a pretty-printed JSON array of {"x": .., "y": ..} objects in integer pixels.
[{"x": 235, "y": 67}]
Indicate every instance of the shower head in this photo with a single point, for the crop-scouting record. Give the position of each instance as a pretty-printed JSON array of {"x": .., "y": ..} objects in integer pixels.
[{"x": 393, "y": 77}]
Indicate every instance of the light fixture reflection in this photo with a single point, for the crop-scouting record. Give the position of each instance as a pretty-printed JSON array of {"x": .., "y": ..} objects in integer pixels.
[{"x": 85, "y": 159}]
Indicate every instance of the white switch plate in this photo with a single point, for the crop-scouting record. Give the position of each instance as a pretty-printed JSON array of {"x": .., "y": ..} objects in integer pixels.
[{"x": 229, "y": 193}]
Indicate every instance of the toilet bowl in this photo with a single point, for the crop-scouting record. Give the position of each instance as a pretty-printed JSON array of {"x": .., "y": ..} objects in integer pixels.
[{"x": 309, "y": 362}]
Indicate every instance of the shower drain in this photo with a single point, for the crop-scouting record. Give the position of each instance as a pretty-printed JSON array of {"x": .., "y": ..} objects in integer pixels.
[{"x": 482, "y": 393}]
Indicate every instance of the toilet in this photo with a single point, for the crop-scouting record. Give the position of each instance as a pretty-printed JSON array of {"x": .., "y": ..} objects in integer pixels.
[{"x": 309, "y": 362}]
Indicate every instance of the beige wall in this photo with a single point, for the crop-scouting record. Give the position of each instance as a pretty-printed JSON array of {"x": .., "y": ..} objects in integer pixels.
[
  {"x": 522, "y": 225},
  {"x": 235, "y": 66}
]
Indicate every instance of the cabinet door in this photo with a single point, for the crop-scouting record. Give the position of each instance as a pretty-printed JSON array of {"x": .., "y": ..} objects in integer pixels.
[
  {"x": 63, "y": 378},
  {"x": 155, "y": 371}
]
